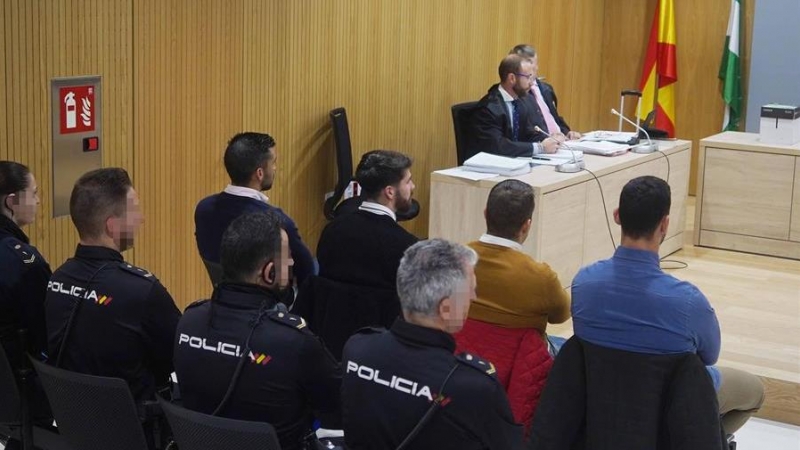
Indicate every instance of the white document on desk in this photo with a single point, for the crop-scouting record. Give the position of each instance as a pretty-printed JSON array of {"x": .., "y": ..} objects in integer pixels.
[
  {"x": 459, "y": 172},
  {"x": 602, "y": 148}
]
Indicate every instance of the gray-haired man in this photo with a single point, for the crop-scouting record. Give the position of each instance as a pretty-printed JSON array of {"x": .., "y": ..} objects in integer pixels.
[{"x": 405, "y": 384}]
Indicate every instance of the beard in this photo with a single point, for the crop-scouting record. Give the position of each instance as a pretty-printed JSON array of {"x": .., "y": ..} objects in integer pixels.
[
  {"x": 125, "y": 242},
  {"x": 266, "y": 184},
  {"x": 403, "y": 205},
  {"x": 521, "y": 93}
]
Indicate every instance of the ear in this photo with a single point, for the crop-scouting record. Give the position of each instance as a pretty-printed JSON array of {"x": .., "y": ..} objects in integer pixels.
[
  {"x": 446, "y": 308},
  {"x": 268, "y": 273},
  {"x": 526, "y": 227},
  {"x": 484, "y": 214},
  {"x": 665, "y": 224},
  {"x": 389, "y": 192},
  {"x": 616, "y": 217},
  {"x": 260, "y": 173}
]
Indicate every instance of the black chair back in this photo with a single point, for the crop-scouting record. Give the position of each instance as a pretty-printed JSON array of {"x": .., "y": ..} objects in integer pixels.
[
  {"x": 344, "y": 158},
  {"x": 344, "y": 171},
  {"x": 92, "y": 413},
  {"x": 9, "y": 393},
  {"x": 462, "y": 126},
  {"x": 197, "y": 431}
]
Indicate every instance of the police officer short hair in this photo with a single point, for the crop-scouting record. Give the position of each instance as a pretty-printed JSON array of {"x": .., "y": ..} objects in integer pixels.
[
  {"x": 247, "y": 152},
  {"x": 643, "y": 202},
  {"x": 509, "y": 206},
  {"x": 380, "y": 168},
  {"x": 431, "y": 271},
  {"x": 13, "y": 177},
  {"x": 96, "y": 196},
  {"x": 249, "y": 242}
]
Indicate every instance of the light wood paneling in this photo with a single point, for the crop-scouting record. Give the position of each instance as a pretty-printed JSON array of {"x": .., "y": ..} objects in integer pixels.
[
  {"x": 761, "y": 207},
  {"x": 794, "y": 233},
  {"x": 188, "y": 97},
  {"x": 44, "y": 39},
  {"x": 700, "y": 28}
]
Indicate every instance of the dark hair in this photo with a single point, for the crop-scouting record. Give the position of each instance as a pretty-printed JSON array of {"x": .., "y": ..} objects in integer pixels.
[
  {"x": 509, "y": 205},
  {"x": 96, "y": 196},
  {"x": 247, "y": 152},
  {"x": 380, "y": 168},
  {"x": 249, "y": 242},
  {"x": 13, "y": 177},
  {"x": 510, "y": 64},
  {"x": 523, "y": 50},
  {"x": 643, "y": 202}
]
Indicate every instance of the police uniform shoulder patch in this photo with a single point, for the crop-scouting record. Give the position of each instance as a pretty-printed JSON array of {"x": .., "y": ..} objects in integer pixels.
[
  {"x": 477, "y": 363},
  {"x": 288, "y": 319},
  {"x": 197, "y": 303},
  {"x": 22, "y": 250},
  {"x": 138, "y": 271}
]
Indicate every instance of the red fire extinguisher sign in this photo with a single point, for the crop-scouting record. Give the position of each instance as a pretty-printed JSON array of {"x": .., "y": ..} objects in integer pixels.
[{"x": 77, "y": 109}]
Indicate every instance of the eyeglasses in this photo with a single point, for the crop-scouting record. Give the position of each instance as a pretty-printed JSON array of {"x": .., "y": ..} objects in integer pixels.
[{"x": 525, "y": 75}]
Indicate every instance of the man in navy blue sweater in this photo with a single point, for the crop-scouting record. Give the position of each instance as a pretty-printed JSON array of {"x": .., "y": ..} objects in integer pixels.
[{"x": 250, "y": 161}]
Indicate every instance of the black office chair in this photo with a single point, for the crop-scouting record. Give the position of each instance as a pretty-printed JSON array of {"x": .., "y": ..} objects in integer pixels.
[
  {"x": 344, "y": 171},
  {"x": 92, "y": 413},
  {"x": 462, "y": 126},
  {"x": 197, "y": 431},
  {"x": 16, "y": 422}
]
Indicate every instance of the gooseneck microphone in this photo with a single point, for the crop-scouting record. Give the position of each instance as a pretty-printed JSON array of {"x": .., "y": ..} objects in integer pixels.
[
  {"x": 570, "y": 166},
  {"x": 649, "y": 147}
]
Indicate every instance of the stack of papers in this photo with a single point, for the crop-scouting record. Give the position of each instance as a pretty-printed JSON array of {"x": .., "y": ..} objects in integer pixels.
[
  {"x": 488, "y": 163},
  {"x": 612, "y": 136},
  {"x": 562, "y": 154},
  {"x": 603, "y": 148}
]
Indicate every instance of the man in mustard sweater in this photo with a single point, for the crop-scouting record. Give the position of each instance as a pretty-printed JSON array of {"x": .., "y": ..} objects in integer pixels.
[{"x": 514, "y": 291}]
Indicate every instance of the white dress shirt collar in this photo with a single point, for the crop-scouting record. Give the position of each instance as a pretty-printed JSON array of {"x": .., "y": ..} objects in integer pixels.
[
  {"x": 503, "y": 242},
  {"x": 506, "y": 96},
  {"x": 377, "y": 208},
  {"x": 243, "y": 191}
]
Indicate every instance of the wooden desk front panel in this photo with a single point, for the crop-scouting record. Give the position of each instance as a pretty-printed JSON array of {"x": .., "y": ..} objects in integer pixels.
[{"x": 747, "y": 193}]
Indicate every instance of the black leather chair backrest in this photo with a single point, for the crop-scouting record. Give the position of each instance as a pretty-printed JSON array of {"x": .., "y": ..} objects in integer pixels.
[
  {"x": 92, "y": 413},
  {"x": 462, "y": 126},
  {"x": 344, "y": 158},
  {"x": 197, "y": 431}
]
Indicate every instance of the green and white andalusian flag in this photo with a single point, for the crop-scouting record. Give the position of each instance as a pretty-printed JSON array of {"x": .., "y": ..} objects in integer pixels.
[{"x": 730, "y": 70}]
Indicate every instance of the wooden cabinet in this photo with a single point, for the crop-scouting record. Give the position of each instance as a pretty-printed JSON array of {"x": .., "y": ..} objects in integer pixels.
[{"x": 748, "y": 196}]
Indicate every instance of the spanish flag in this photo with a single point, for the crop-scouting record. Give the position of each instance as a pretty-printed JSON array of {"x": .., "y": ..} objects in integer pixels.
[{"x": 661, "y": 69}]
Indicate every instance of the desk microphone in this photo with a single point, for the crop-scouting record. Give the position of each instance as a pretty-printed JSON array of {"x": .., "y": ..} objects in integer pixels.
[
  {"x": 649, "y": 147},
  {"x": 567, "y": 167}
]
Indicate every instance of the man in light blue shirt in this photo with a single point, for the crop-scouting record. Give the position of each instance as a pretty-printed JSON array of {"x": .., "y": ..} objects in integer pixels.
[{"x": 628, "y": 303}]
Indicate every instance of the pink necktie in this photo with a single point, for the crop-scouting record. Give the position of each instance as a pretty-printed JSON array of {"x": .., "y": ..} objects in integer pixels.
[{"x": 552, "y": 126}]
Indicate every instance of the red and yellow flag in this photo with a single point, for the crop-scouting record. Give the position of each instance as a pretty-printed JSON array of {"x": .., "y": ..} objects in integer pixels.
[{"x": 661, "y": 69}]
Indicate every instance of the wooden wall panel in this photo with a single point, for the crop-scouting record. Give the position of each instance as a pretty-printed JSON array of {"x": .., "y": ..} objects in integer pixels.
[
  {"x": 700, "y": 28},
  {"x": 188, "y": 98},
  {"x": 43, "y": 39}
]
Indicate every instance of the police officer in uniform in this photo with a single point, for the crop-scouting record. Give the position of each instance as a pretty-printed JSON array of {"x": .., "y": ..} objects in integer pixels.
[
  {"x": 404, "y": 388},
  {"x": 241, "y": 355},
  {"x": 104, "y": 316},
  {"x": 25, "y": 271}
]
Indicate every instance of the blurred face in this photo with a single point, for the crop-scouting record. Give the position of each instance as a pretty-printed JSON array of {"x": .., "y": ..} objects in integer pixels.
[
  {"x": 404, "y": 192},
  {"x": 269, "y": 170},
  {"x": 525, "y": 79},
  {"x": 124, "y": 228},
  {"x": 455, "y": 308},
  {"x": 24, "y": 203}
]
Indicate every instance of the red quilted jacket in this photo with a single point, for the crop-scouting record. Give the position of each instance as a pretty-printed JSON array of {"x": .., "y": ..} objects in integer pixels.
[{"x": 520, "y": 356}]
